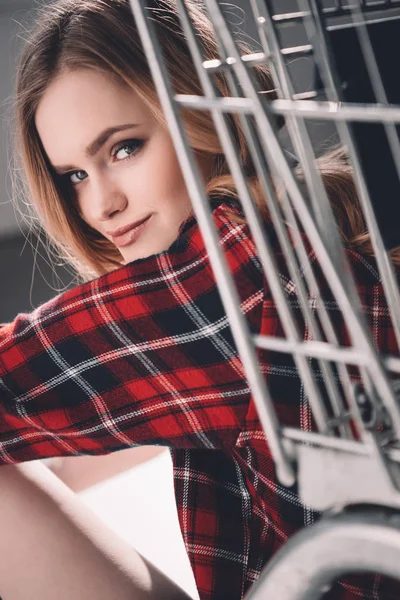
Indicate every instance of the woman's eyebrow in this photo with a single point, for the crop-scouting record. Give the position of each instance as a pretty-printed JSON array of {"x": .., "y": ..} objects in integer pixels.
[{"x": 97, "y": 144}]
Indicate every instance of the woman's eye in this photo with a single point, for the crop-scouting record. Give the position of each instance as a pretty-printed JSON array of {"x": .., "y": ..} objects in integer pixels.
[
  {"x": 71, "y": 175},
  {"x": 128, "y": 147}
]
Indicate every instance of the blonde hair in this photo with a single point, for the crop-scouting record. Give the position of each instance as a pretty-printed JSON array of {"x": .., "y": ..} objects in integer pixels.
[{"x": 102, "y": 35}]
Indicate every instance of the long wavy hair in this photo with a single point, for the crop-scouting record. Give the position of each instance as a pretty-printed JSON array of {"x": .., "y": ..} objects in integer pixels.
[{"x": 102, "y": 35}]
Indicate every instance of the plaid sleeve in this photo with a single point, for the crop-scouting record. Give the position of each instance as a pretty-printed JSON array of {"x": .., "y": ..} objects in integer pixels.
[{"x": 142, "y": 355}]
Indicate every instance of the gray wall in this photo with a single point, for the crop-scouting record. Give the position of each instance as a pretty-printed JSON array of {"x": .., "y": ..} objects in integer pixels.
[
  {"x": 15, "y": 16},
  {"x": 27, "y": 278}
]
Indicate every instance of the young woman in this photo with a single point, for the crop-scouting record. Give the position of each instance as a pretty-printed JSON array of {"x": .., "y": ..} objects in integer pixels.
[{"x": 141, "y": 352}]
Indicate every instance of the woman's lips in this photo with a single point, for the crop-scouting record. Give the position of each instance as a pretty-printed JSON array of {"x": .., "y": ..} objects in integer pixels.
[{"x": 130, "y": 236}]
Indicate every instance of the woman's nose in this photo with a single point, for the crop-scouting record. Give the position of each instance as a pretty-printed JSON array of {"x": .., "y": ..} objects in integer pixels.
[{"x": 108, "y": 199}]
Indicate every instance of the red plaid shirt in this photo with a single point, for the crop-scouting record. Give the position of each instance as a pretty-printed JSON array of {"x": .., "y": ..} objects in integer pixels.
[{"x": 145, "y": 355}]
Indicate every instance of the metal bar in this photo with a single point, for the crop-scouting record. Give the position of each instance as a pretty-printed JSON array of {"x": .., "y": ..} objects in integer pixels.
[
  {"x": 314, "y": 349},
  {"x": 319, "y": 200},
  {"x": 344, "y": 10},
  {"x": 316, "y": 29},
  {"x": 216, "y": 65},
  {"x": 337, "y": 111},
  {"x": 394, "y": 17},
  {"x": 297, "y": 50},
  {"x": 289, "y": 177},
  {"x": 289, "y": 17},
  {"x": 305, "y": 95},
  {"x": 266, "y": 254},
  {"x": 228, "y": 291},
  {"x": 385, "y": 264},
  {"x": 303, "y": 146},
  {"x": 308, "y": 109},
  {"x": 335, "y": 443},
  {"x": 355, "y": 321},
  {"x": 392, "y": 363},
  {"x": 265, "y": 251}
]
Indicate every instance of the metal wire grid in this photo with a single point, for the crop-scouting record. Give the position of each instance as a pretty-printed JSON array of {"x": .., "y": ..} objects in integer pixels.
[
  {"x": 294, "y": 210},
  {"x": 334, "y": 8}
]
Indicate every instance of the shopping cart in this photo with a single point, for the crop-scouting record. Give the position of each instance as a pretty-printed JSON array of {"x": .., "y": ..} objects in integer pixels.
[{"x": 348, "y": 465}]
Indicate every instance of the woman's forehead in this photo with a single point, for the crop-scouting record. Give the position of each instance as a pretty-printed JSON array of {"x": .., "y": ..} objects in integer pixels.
[{"x": 78, "y": 105}]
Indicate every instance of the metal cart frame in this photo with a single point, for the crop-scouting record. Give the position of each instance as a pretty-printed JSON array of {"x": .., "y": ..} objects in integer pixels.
[{"x": 334, "y": 468}]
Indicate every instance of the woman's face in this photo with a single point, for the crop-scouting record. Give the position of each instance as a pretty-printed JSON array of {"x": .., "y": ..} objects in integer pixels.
[{"x": 119, "y": 162}]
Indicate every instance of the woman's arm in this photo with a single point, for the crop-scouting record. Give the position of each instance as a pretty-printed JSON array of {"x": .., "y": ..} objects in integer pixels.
[{"x": 143, "y": 355}]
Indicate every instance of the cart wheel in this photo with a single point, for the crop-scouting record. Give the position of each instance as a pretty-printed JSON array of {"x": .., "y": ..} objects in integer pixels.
[{"x": 364, "y": 539}]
